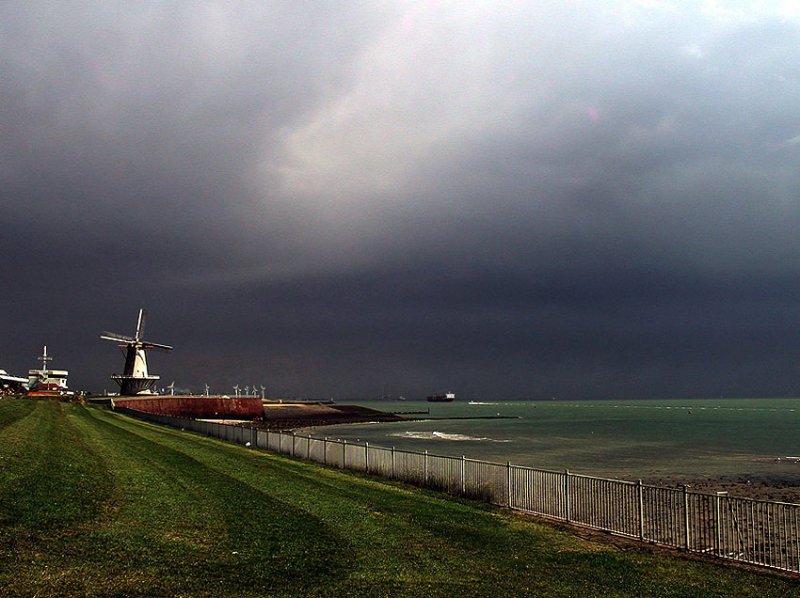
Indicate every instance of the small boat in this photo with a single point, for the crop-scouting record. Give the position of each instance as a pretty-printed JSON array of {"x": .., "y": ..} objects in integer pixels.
[{"x": 445, "y": 397}]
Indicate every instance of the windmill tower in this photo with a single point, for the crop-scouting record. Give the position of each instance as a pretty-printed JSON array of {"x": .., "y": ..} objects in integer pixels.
[{"x": 135, "y": 379}]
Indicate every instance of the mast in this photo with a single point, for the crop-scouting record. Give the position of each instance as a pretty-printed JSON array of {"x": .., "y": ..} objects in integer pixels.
[{"x": 44, "y": 359}]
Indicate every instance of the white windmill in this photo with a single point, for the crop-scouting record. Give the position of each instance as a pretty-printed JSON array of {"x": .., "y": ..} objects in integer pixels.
[
  {"x": 135, "y": 379},
  {"x": 246, "y": 390},
  {"x": 236, "y": 391},
  {"x": 207, "y": 389},
  {"x": 263, "y": 390},
  {"x": 171, "y": 388}
]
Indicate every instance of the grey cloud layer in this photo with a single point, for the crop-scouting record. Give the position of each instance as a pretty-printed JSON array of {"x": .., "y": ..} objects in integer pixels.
[{"x": 596, "y": 197}]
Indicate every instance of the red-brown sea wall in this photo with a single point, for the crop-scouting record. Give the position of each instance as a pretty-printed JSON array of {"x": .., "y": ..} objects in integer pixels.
[{"x": 195, "y": 407}]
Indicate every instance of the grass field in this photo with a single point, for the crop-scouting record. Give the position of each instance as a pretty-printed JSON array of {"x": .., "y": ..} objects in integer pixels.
[{"x": 92, "y": 503}]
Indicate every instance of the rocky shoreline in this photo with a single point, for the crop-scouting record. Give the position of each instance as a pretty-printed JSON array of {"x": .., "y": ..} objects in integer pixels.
[
  {"x": 778, "y": 489},
  {"x": 296, "y": 416}
]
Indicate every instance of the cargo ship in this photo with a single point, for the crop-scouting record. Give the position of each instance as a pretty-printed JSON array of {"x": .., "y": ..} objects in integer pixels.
[{"x": 445, "y": 397}]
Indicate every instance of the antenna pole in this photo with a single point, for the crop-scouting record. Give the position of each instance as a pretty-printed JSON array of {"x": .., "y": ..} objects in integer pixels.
[{"x": 44, "y": 358}]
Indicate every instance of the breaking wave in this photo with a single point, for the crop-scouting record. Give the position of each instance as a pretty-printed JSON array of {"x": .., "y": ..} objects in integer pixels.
[{"x": 444, "y": 436}]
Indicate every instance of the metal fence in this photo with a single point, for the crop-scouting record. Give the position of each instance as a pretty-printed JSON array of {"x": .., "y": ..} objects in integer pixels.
[{"x": 750, "y": 531}]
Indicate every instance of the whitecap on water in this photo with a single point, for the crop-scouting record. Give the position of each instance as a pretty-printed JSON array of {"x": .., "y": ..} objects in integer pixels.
[{"x": 443, "y": 436}]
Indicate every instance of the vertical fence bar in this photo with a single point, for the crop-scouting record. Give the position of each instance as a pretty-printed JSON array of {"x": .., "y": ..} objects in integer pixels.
[
  {"x": 325, "y": 450},
  {"x": 687, "y": 543},
  {"x": 568, "y": 514},
  {"x": 508, "y": 484},
  {"x": 640, "y": 496},
  {"x": 463, "y": 476},
  {"x": 426, "y": 467},
  {"x": 717, "y": 526},
  {"x": 796, "y": 544},
  {"x": 366, "y": 456}
]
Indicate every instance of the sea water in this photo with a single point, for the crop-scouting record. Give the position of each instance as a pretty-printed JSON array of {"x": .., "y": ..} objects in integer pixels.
[{"x": 651, "y": 439}]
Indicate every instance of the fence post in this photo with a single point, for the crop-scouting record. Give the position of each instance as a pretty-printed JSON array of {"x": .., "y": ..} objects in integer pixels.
[
  {"x": 566, "y": 495},
  {"x": 393, "y": 474},
  {"x": 510, "y": 484},
  {"x": 308, "y": 448},
  {"x": 718, "y": 524},
  {"x": 344, "y": 454},
  {"x": 426, "y": 467},
  {"x": 294, "y": 442},
  {"x": 686, "y": 516},
  {"x": 325, "y": 451},
  {"x": 463, "y": 475},
  {"x": 366, "y": 456},
  {"x": 640, "y": 493}
]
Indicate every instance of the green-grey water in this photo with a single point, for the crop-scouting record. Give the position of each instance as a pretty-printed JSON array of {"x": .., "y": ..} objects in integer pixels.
[{"x": 623, "y": 439}]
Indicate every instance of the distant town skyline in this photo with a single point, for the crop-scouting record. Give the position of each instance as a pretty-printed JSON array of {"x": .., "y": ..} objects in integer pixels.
[{"x": 499, "y": 199}]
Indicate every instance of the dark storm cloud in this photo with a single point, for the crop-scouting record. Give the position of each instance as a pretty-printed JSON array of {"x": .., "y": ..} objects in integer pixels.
[{"x": 576, "y": 200}]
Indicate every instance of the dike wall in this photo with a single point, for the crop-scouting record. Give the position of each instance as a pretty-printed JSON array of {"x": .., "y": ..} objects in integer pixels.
[{"x": 195, "y": 406}]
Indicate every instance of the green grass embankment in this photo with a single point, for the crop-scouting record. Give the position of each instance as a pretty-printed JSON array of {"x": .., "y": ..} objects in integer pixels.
[{"x": 95, "y": 503}]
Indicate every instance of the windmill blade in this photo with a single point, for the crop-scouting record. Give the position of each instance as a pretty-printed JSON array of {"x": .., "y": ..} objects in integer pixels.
[
  {"x": 113, "y": 336},
  {"x": 160, "y": 347},
  {"x": 140, "y": 325}
]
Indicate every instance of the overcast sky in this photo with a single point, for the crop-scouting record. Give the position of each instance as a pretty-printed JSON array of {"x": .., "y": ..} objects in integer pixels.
[{"x": 503, "y": 199}]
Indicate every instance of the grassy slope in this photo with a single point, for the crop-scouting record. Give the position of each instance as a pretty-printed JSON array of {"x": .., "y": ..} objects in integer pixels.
[{"x": 94, "y": 503}]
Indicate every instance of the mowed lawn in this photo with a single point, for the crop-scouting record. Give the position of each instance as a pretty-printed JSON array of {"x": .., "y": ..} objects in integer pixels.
[{"x": 93, "y": 503}]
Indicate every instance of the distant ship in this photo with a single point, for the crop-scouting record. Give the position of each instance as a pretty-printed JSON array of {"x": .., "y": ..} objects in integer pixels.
[
  {"x": 446, "y": 397},
  {"x": 45, "y": 382}
]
